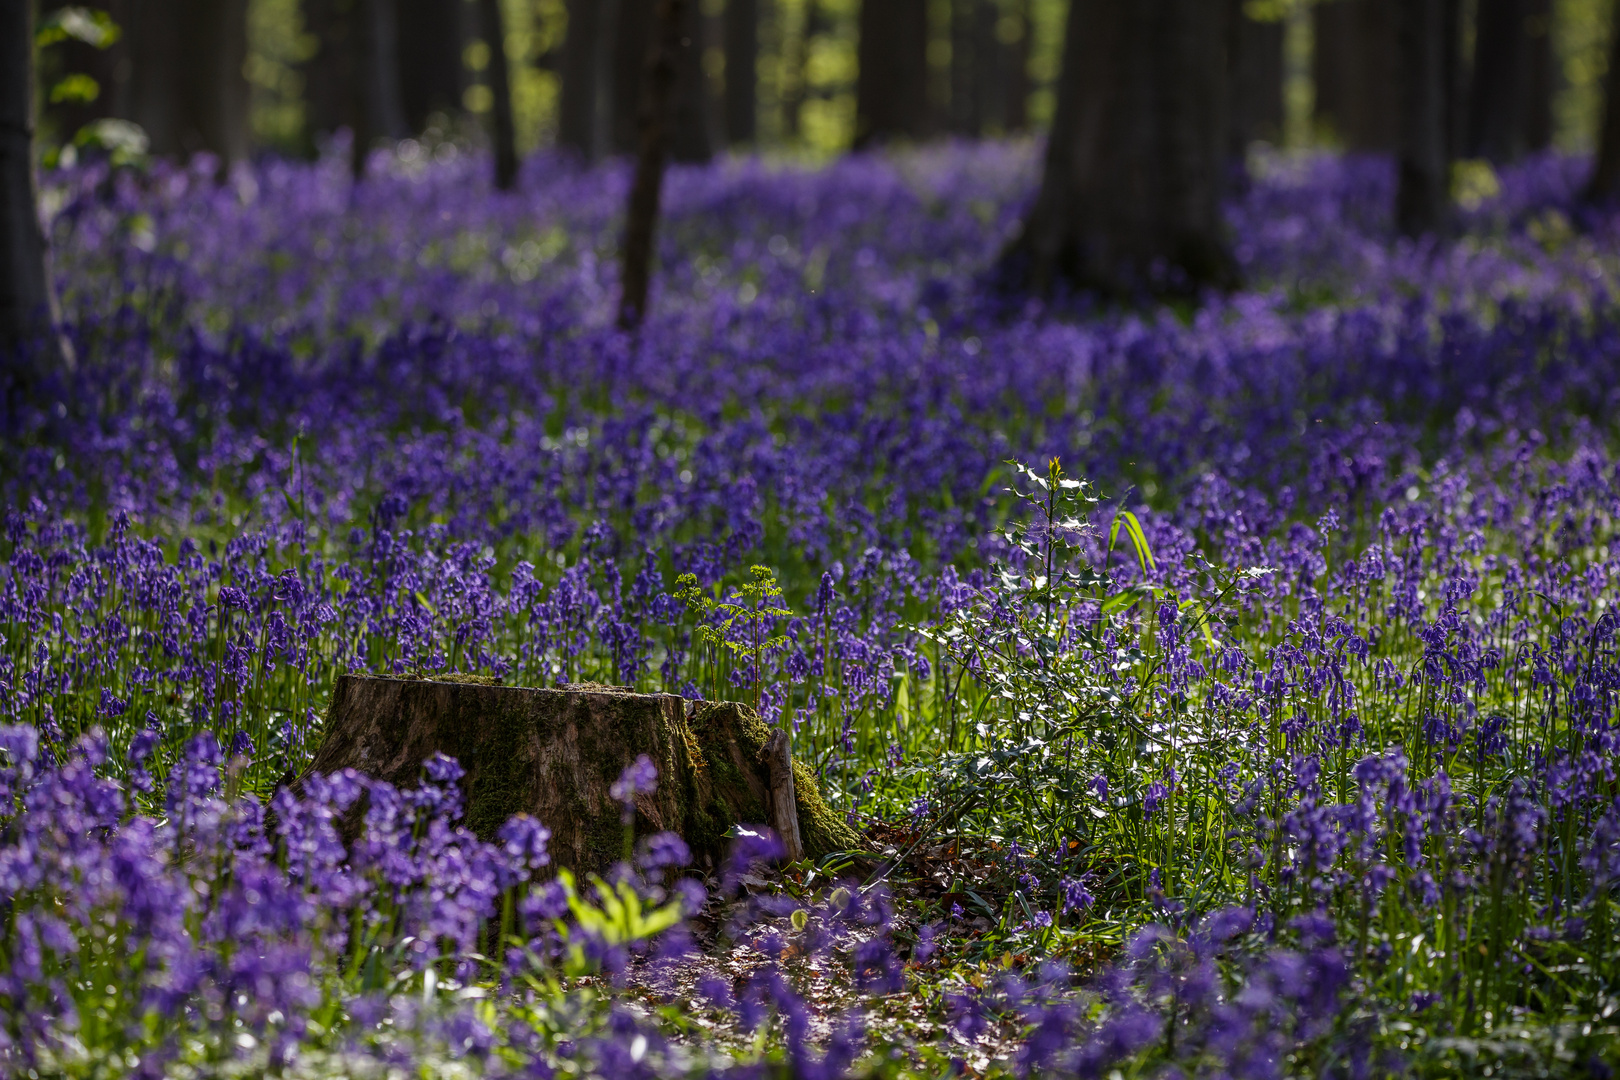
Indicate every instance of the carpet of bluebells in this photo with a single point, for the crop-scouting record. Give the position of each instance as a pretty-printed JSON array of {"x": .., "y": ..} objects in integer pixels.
[{"x": 1222, "y": 689}]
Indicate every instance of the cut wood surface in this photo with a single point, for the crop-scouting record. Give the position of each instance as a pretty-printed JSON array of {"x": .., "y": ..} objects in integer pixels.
[{"x": 556, "y": 753}]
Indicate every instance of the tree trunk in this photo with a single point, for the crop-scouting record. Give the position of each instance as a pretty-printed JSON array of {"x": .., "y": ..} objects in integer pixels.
[
  {"x": 1015, "y": 93},
  {"x": 1420, "y": 199},
  {"x": 963, "y": 116},
  {"x": 891, "y": 82},
  {"x": 555, "y": 754},
  {"x": 1256, "y": 67},
  {"x": 430, "y": 47},
  {"x": 382, "y": 113},
  {"x": 576, "y": 112},
  {"x": 1129, "y": 199},
  {"x": 631, "y": 42},
  {"x": 1535, "y": 116},
  {"x": 691, "y": 139},
  {"x": 1496, "y": 106},
  {"x": 1355, "y": 70},
  {"x": 27, "y": 301},
  {"x": 742, "y": 55},
  {"x": 188, "y": 91},
  {"x": 1604, "y": 187},
  {"x": 1455, "y": 77},
  {"x": 500, "y": 85},
  {"x": 641, "y": 221}
]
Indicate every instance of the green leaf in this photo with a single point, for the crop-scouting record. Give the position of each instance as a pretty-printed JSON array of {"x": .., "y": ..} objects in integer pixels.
[
  {"x": 89, "y": 25},
  {"x": 77, "y": 88}
]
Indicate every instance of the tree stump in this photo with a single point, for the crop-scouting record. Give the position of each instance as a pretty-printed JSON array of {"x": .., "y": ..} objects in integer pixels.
[{"x": 556, "y": 753}]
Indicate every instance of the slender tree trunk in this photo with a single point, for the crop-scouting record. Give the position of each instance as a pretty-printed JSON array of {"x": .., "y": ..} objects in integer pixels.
[
  {"x": 1539, "y": 78},
  {"x": 1455, "y": 76},
  {"x": 189, "y": 93},
  {"x": 659, "y": 75},
  {"x": 742, "y": 54},
  {"x": 691, "y": 136},
  {"x": 607, "y": 95},
  {"x": 1501, "y": 52},
  {"x": 576, "y": 112},
  {"x": 1604, "y": 187},
  {"x": 1420, "y": 200},
  {"x": 27, "y": 301},
  {"x": 1256, "y": 66},
  {"x": 1355, "y": 72},
  {"x": 631, "y": 41},
  {"x": 1129, "y": 199},
  {"x": 966, "y": 97},
  {"x": 891, "y": 84},
  {"x": 1015, "y": 116},
  {"x": 500, "y": 85},
  {"x": 430, "y": 47}
]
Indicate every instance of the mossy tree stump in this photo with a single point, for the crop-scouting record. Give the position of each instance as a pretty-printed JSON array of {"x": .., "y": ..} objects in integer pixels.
[{"x": 556, "y": 753}]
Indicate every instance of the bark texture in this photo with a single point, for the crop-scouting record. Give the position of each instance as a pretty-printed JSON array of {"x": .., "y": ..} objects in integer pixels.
[
  {"x": 556, "y": 753},
  {"x": 27, "y": 306},
  {"x": 1355, "y": 66},
  {"x": 891, "y": 80},
  {"x": 1420, "y": 198},
  {"x": 500, "y": 84},
  {"x": 1129, "y": 199}
]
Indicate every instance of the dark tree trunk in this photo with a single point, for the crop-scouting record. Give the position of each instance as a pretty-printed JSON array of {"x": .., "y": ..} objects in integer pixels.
[
  {"x": 500, "y": 85},
  {"x": 556, "y": 754},
  {"x": 989, "y": 62},
  {"x": 659, "y": 76},
  {"x": 1604, "y": 187},
  {"x": 1256, "y": 67},
  {"x": 742, "y": 54},
  {"x": 1355, "y": 72},
  {"x": 1015, "y": 93},
  {"x": 1420, "y": 199},
  {"x": 1455, "y": 77},
  {"x": 966, "y": 100},
  {"x": 430, "y": 46},
  {"x": 691, "y": 138},
  {"x": 354, "y": 78},
  {"x": 27, "y": 302},
  {"x": 891, "y": 84},
  {"x": 1496, "y": 105},
  {"x": 188, "y": 91},
  {"x": 1129, "y": 199},
  {"x": 576, "y": 112},
  {"x": 1536, "y": 121},
  {"x": 635, "y": 18}
]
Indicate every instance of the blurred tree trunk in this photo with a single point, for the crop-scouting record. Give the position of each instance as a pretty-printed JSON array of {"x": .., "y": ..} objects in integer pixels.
[
  {"x": 964, "y": 117},
  {"x": 891, "y": 83},
  {"x": 1539, "y": 77},
  {"x": 354, "y": 78},
  {"x": 1497, "y": 99},
  {"x": 430, "y": 46},
  {"x": 742, "y": 54},
  {"x": 1355, "y": 70},
  {"x": 1129, "y": 199},
  {"x": 1015, "y": 92},
  {"x": 500, "y": 85},
  {"x": 1455, "y": 77},
  {"x": 27, "y": 301},
  {"x": 1420, "y": 199},
  {"x": 660, "y": 73},
  {"x": 1255, "y": 64},
  {"x": 576, "y": 112},
  {"x": 691, "y": 136},
  {"x": 1604, "y": 187}
]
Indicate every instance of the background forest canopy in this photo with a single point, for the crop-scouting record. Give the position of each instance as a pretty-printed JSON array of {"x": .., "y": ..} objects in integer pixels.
[{"x": 241, "y": 76}]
